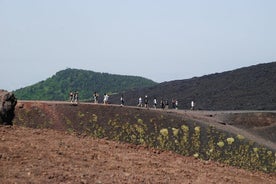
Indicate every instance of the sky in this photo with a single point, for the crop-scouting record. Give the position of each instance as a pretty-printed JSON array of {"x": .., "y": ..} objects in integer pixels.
[{"x": 162, "y": 40}]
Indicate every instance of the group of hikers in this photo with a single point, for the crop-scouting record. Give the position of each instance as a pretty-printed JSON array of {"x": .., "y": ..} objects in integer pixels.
[
  {"x": 96, "y": 98},
  {"x": 164, "y": 104},
  {"x": 105, "y": 98},
  {"x": 74, "y": 97}
]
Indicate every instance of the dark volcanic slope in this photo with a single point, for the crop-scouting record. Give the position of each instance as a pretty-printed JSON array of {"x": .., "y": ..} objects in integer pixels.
[{"x": 249, "y": 88}]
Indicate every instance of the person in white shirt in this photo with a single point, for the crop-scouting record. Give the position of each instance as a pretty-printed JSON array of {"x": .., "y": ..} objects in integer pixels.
[
  {"x": 105, "y": 99},
  {"x": 192, "y": 105},
  {"x": 154, "y": 102},
  {"x": 140, "y": 102}
]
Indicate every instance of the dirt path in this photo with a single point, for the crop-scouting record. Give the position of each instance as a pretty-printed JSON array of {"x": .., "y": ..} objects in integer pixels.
[
  {"x": 218, "y": 119},
  {"x": 48, "y": 156}
]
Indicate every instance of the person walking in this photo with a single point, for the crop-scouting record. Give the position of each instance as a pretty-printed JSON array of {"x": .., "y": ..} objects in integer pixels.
[
  {"x": 146, "y": 101},
  {"x": 95, "y": 96},
  {"x": 105, "y": 101},
  {"x": 192, "y": 105},
  {"x": 162, "y": 104},
  {"x": 167, "y": 104},
  {"x": 71, "y": 96},
  {"x": 155, "y": 102},
  {"x": 173, "y": 103},
  {"x": 122, "y": 101},
  {"x": 140, "y": 102},
  {"x": 76, "y": 97}
]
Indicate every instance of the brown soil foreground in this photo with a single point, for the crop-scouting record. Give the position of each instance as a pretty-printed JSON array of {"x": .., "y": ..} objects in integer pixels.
[{"x": 49, "y": 156}]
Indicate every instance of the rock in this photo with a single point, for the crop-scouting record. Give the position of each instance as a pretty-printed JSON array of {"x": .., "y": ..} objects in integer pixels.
[
  {"x": 20, "y": 105},
  {"x": 7, "y": 107}
]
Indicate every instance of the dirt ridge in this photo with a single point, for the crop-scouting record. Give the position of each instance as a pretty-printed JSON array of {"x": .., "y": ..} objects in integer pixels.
[{"x": 48, "y": 156}]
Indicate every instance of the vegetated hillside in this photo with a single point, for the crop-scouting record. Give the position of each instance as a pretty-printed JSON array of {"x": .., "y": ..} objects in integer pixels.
[
  {"x": 248, "y": 88},
  {"x": 184, "y": 132},
  {"x": 85, "y": 82}
]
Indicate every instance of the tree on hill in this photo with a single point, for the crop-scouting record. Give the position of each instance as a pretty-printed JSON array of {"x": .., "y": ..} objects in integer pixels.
[{"x": 85, "y": 82}]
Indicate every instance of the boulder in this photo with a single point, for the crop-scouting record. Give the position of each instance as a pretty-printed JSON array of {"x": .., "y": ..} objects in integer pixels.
[{"x": 7, "y": 107}]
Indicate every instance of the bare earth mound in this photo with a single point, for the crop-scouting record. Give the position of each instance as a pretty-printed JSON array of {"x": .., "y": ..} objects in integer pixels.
[{"x": 49, "y": 156}]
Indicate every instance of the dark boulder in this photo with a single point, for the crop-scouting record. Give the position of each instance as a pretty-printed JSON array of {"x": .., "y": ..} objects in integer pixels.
[{"x": 7, "y": 107}]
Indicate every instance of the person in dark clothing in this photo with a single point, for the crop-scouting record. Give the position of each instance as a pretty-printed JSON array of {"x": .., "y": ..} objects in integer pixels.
[
  {"x": 146, "y": 101},
  {"x": 167, "y": 104},
  {"x": 162, "y": 104},
  {"x": 173, "y": 103},
  {"x": 76, "y": 97},
  {"x": 96, "y": 97},
  {"x": 122, "y": 101},
  {"x": 71, "y": 95}
]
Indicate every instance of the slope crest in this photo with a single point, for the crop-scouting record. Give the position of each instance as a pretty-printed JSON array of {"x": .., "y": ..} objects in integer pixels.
[{"x": 248, "y": 88}]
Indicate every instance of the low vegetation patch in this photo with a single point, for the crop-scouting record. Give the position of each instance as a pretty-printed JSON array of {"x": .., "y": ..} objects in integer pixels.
[{"x": 141, "y": 126}]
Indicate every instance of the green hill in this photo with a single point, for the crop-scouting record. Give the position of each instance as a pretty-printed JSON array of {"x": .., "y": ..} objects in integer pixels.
[{"x": 85, "y": 82}]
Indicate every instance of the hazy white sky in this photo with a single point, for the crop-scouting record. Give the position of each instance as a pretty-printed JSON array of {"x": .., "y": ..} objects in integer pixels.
[{"x": 162, "y": 40}]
